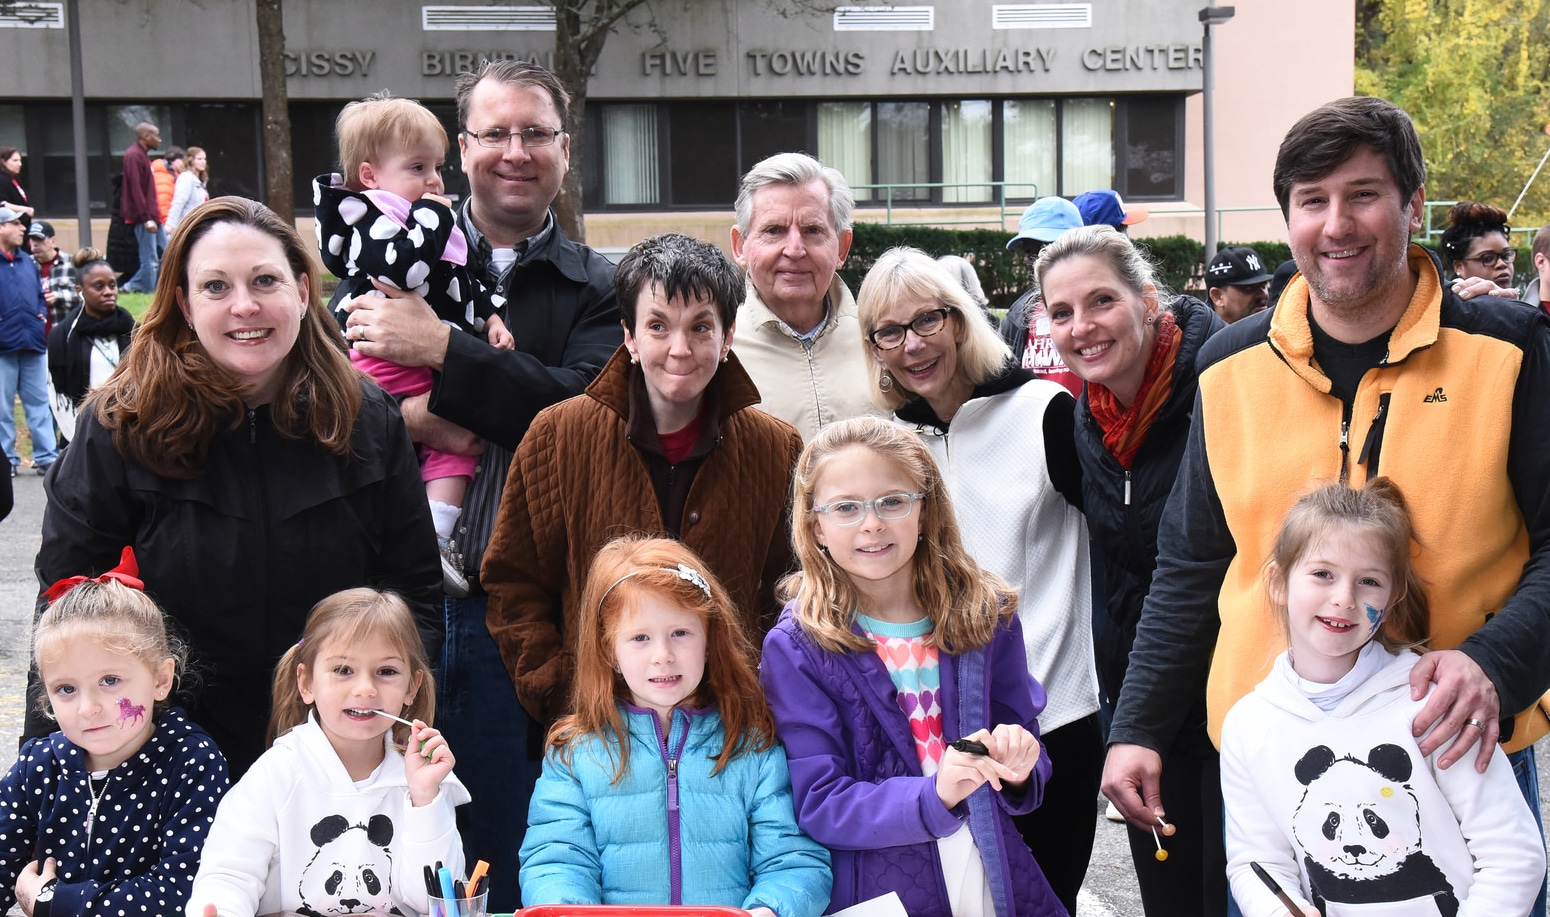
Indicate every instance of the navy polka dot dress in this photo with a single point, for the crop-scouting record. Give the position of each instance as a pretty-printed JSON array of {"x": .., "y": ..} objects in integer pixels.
[{"x": 131, "y": 851}]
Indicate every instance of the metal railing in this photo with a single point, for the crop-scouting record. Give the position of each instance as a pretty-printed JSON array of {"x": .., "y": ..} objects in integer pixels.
[{"x": 997, "y": 207}]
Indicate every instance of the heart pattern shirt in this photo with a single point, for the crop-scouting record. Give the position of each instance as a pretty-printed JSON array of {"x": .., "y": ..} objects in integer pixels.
[{"x": 914, "y": 667}]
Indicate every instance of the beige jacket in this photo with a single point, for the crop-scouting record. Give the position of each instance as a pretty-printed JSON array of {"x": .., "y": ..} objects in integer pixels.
[{"x": 806, "y": 386}]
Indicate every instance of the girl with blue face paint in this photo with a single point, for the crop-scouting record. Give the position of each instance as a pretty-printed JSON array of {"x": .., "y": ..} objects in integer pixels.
[{"x": 1323, "y": 784}]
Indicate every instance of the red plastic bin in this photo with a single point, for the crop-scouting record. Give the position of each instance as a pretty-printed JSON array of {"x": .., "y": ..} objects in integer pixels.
[{"x": 625, "y": 910}]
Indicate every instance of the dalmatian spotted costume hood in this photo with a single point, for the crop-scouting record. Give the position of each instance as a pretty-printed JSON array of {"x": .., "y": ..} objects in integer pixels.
[
  {"x": 412, "y": 245},
  {"x": 1342, "y": 809},
  {"x": 297, "y": 834}
]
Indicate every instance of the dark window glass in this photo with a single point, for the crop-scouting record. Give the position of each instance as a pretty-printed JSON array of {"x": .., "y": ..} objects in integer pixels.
[
  {"x": 702, "y": 153},
  {"x": 229, "y": 136},
  {"x": 313, "y": 150},
  {"x": 767, "y": 128},
  {"x": 1151, "y": 158},
  {"x": 53, "y": 173}
]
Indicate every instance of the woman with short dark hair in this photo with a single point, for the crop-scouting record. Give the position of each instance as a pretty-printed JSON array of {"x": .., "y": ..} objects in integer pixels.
[{"x": 666, "y": 441}]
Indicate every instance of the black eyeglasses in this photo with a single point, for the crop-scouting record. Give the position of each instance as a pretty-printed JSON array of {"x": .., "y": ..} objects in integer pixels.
[
  {"x": 499, "y": 138},
  {"x": 1492, "y": 259},
  {"x": 924, "y": 325}
]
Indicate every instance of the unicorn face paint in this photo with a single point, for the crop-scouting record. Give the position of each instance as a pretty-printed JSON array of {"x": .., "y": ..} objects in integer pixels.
[
  {"x": 129, "y": 712},
  {"x": 102, "y": 698}
]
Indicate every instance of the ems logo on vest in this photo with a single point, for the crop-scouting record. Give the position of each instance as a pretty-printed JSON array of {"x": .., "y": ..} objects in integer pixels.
[{"x": 1435, "y": 397}]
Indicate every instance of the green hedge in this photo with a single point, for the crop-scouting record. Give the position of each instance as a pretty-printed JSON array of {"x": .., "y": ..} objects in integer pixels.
[{"x": 1005, "y": 275}]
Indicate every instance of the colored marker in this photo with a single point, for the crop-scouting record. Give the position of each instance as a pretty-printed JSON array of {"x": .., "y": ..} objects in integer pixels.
[
  {"x": 1274, "y": 886},
  {"x": 447, "y": 892}
]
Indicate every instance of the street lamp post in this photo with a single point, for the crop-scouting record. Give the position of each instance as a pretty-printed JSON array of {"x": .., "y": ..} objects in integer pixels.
[{"x": 1210, "y": 16}]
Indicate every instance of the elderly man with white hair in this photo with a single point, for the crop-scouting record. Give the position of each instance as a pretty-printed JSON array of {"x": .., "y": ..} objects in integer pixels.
[{"x": 797, "y": 334}]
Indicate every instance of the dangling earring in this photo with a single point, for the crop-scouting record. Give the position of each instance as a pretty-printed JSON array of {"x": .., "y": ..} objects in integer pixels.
[{"x": 885, "y": 382}]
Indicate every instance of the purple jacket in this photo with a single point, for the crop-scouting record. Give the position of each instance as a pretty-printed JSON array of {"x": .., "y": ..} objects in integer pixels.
[{"x": 856, "y": 777}]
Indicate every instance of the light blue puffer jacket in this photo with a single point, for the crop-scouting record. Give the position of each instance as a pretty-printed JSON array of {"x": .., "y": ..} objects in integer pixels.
[{"x": 731, "y": 839}]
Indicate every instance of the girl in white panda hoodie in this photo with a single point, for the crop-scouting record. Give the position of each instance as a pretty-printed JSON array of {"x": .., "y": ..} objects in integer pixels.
[
  {"x": 335, "y": 818},
  {"x": 1323, "y": 785}
]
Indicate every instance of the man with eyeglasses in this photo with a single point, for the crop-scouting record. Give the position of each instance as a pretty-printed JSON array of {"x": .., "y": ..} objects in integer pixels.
[
  {"x": 797, "y": 333},
  {"x": 1369, "y": 365},
  {"x": 560, "y": 309}
]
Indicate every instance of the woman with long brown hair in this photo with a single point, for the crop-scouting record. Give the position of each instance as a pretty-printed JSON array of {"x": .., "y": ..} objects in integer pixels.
[{"x": 252, "y": 470}]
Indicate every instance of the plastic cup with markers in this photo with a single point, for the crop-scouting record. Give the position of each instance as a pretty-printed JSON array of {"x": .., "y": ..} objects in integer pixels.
[{"x": 476, "y": 906}]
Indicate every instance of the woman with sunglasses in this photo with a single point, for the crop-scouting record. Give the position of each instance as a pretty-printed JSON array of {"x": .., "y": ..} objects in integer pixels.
[
  {"x": 1478, "y": 246},
  {"x": 1004, "y": 441}
]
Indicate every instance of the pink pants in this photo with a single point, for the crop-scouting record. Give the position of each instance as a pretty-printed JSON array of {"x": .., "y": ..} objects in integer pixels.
[{"x": 404, "y": 381}]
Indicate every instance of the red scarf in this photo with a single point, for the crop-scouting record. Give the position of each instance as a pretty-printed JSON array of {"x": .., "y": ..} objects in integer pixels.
[{"x": 1125, "y": 430}]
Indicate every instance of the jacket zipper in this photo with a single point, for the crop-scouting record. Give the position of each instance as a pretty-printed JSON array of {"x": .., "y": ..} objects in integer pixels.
[
  {"x": 1345, "y": 445},
  {"x": 1374, "y": 441},
  {"x": 91, "y": 813},
  {"x": 674, "y": 851},
  {"x": 1127, "y": 486},
  {"x": 252, "y": 427}
]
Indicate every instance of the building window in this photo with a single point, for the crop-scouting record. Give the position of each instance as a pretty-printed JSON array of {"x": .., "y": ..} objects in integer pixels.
[
  {"x": 1028, "y": 146},
  {"x": 966, "y": 151},
  {"x": 1086, "y": 145},
  {"x": 629, "y": 147},
  {"x": 765, "y": 128},
  {"x": 1149, "y": 146},
  {"x": 702, "y": 153},
  {"x": 845, "y": 142},
  {"x": 904, "y": 148},
  {"x": 949, "y": 152}
]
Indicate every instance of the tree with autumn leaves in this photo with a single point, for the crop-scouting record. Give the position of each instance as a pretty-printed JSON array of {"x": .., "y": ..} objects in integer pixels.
[{"x": 1475, "y": 76}]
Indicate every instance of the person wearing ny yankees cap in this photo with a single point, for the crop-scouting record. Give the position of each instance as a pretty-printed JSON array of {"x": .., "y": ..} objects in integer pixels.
[{"x": 1236, "y": 281}]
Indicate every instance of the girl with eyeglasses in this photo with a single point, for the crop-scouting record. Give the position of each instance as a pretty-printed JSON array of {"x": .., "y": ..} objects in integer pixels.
[
  {"x": 900, "y": 687},
  {"x": 951, "y": 379},
  {"x": 1478, "y": 245}
]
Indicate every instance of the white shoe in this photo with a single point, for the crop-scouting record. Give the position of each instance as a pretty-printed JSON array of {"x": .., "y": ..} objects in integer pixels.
[
  {"x": 1112, "y": 813},
  {"x": 453, "y": 582}
]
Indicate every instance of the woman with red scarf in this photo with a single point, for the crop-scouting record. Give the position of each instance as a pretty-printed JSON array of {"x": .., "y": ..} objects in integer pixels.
[
  {"x": 1134, "y": 346},
  {"x": 1002, "y": 437}
]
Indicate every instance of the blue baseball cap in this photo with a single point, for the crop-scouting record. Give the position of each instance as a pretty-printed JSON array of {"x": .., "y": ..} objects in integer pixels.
[
  {"x": 1045, "y": 219},
  {"x": 1105, "y": 208}
]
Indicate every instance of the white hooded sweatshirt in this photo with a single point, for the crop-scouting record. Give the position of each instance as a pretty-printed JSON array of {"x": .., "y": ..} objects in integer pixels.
[{"x": 296, "y": 834}]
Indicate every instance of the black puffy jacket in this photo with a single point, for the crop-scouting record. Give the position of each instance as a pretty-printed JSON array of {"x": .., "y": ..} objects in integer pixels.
[{"x": 1125, "y": 527}]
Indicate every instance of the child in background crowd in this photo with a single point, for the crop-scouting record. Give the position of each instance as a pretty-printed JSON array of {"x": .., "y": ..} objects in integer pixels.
[
  {"x": 335, "y": 818},
  {"x": 668, "y": 710},
  {"x": 382, "y": 224},
  {"x": 895, "y": 644},
  {"x": 1323, "y": 784},
  {"x": 107, "y": 815}
]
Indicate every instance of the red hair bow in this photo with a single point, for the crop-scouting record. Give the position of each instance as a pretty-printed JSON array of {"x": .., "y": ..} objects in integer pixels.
[{"x": 127, "y": 572}]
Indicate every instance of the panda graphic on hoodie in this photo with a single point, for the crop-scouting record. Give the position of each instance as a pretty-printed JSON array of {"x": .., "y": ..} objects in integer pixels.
[{"x": 1359, "y": 827}]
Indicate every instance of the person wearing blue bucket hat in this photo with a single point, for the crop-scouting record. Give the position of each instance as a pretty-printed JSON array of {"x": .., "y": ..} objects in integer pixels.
[
  {"x": 1105, "y": 207},
  {"x": 1042, "y": 222}
]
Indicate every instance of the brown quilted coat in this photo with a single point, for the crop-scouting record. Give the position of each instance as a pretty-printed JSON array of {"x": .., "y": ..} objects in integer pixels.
[{"x": 576, "y": 482}]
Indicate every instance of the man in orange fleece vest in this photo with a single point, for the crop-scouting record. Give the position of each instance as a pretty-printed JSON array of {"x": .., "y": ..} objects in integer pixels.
[{"x": 1368, "y": 365}]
